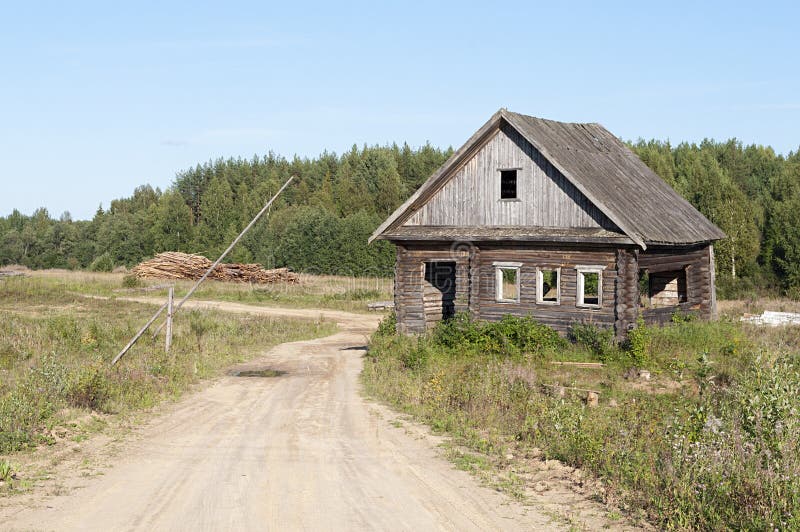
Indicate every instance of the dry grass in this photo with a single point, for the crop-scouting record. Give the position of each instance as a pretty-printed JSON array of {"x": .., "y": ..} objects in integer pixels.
[
  {"x": 313, "y": 291},
  {"x": 55, "y": 348}
]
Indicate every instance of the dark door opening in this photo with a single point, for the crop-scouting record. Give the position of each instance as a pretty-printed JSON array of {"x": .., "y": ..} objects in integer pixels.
[{"x": 439, "y": 291}]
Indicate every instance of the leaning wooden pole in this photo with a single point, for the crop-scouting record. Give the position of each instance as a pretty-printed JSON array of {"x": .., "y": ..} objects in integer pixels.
[
  {"x": 225, "y": 253},
  {"x": 139, "y": 334}
]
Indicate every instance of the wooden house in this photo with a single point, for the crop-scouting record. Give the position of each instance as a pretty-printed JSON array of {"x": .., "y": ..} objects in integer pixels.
[{"x": 558, "y": 221}]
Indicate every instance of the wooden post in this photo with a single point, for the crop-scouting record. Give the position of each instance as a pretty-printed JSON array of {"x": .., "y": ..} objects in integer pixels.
[{"x": 170, "y": 298}]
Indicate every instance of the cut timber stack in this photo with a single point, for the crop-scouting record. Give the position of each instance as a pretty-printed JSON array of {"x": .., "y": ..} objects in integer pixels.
[{"x": 176, "y": 265}]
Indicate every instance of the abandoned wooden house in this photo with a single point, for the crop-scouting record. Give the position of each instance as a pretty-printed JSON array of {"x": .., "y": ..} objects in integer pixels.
[{"x": 558, "y": 221}]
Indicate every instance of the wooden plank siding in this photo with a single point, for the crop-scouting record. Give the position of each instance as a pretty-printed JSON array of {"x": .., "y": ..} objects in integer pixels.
[{"x": 545, "y": 197}]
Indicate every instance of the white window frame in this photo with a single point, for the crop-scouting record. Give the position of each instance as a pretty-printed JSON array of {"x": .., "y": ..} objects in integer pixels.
[
  {"x": 540, "y": 285},
  {"x": 583, "y": 270},
  {"x": 498, "y": 280}
]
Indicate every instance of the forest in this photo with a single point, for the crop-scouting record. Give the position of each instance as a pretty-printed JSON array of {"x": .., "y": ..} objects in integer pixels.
[{"x": 321, "y": 223}]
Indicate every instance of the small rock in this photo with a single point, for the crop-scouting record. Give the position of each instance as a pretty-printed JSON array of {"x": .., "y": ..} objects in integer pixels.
[
  {"x": 644, "y": 374},
  {"x": 540, "y": 486},
  {"x": 509, "y": 456},
  {"x": 613, "y": 403},
  {"x": 592, "y": 399}
]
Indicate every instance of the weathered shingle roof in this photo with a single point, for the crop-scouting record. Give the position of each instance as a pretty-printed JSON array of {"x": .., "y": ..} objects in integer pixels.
[{"x": 598, "y": 164}]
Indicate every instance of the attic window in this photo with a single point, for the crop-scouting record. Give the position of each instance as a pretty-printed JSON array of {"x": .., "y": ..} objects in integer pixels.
[{"x": 508, "y": 184}]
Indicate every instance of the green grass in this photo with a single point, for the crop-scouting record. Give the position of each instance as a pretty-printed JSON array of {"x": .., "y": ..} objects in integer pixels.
[
  {"x": 712, "y": 441},
  {"x": 55, "y": 349}
]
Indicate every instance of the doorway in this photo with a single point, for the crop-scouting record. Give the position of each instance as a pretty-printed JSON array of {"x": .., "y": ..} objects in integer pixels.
[{"x": 439, "y": 291}]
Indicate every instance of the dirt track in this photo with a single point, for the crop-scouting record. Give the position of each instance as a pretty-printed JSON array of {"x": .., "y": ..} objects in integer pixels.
[{"x": 302, "y": 451}]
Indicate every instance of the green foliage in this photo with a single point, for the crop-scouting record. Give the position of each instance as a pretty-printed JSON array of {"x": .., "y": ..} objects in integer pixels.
[
  {"x": 724, "y": 459},
  {"x": 6, "y": 471},
  {"x": 131, "y": 281},
  {"x": 89, "y": 387},
  {"x": 511, "y": 335},
  {"x": 417, "y": 357},
  {"x": 103, "y": 263},
  {"x": 637, "y": 343},
  {"x": 388, "y": 325},
  {"x": 328, "y": 214},
  {"x": 598, "y": 340}
]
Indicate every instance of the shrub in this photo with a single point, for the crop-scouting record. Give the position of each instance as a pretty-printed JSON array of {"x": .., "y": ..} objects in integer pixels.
[
  {"x": 511, "y": 335},
  {"x": 638, "y": 343},
  {"x": 525, "y": 333},
  {"x": 417, "y": 357},
  {"x": 597, "y": 340},
  {"x": 131, "y": 281},
  {"x": 88, "y": 388},
  {"x": 103, "y": 263},
  {"x": 388, "y": 325}
]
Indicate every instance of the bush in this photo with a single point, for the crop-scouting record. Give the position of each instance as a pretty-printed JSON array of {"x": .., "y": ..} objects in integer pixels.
[
  {"x": 388, "y": 325},
  {"x": 638, "y": 343},
  {"x": 131, "y": 281},
  {"x": 88, "y": 388},
  {"x": 417, "y": 357},
  {"x": 103, "y": 263},
  {"x": 597, "y": 340},
  {"x": 511, "y": 335}
]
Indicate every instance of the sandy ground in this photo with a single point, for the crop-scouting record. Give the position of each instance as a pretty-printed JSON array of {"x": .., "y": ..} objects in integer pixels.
[{"x": 301, "y": 451}]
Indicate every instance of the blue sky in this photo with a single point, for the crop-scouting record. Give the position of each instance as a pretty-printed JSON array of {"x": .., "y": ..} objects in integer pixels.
[{"x": 97, "y": 98}]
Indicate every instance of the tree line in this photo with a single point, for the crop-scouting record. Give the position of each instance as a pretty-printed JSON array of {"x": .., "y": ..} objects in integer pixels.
[{"x": 321, "y": 223}]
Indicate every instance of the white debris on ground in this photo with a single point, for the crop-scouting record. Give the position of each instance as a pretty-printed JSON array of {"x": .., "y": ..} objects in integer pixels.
[{"x": 772, "y": 318}]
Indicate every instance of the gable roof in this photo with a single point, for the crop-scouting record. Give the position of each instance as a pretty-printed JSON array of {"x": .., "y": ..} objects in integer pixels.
[{"x": 600, "y": 166}]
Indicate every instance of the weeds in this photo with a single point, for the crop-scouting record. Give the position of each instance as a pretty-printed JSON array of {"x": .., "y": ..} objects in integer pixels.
[
  {"x": 717, "y": 449},
  {"x": 55, "y": 349}
]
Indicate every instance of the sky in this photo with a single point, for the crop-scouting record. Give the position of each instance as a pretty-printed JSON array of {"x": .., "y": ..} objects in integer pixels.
[{"x": 97, "y": 98}]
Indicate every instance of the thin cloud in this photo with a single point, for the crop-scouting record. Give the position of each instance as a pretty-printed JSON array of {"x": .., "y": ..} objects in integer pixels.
[{"x": 174, "y": 143}]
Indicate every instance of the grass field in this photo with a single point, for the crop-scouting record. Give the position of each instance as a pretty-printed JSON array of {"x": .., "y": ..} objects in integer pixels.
[
  {"x": 710, "y": 441},
  {"x": 55, "y": 348},
  {"x": 314, "y": 291}
]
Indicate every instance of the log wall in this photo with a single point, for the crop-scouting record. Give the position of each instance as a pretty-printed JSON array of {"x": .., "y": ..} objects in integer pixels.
[
  {"x": 559, "y": 316},
  {"x": 698, "y": 265},
  {"x": 475, "y": 277}
]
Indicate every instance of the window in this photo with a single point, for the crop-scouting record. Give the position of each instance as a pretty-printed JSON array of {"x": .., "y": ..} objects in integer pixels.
[
  {"x": 663, "y": 289},
  {"x": 507, "y": 281},
  {"x": 590, "y": 286},
  {"x": 508, "y": 184},
  {"x": 548, "y": 287}
]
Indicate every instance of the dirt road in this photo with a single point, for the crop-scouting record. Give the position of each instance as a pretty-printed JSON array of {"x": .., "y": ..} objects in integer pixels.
[{"x": 301, "y": 451}]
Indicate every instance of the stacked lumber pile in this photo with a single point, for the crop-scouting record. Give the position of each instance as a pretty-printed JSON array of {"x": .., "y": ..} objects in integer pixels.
[{"x": 176, "y": 265}]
